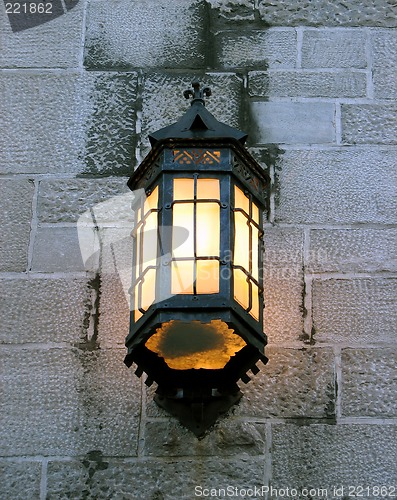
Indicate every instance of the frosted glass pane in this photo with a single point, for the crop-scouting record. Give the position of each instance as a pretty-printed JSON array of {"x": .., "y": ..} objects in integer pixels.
[
  {"x": 183, "y": 189},
  {"x": 255, "y": 213},
  {"x": 151, "y": 201},
  {"x": 240, "y": 200},
  {"x": 207, "y": 280},
  {"x": 208, "y": 227},
  {"x": 149, "y": 288},
  {"x": 137, "y": 314},
  {"x": 241, "y": 241},
  {"x": 255, "y": 254},
  {"x": 183, "y": 217},
  {"x": 255, "y": 302},
  {"x": 241, "y": 290},
  {"x": 182, "y": 277},
  {"x": 149, "y": 254},
  {"x": 208, "y": 188}
]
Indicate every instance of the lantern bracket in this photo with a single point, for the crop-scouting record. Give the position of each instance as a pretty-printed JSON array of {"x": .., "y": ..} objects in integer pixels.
[{"x": 197, "y": 415}]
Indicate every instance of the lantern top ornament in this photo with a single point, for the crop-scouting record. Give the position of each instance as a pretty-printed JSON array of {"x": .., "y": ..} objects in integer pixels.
[{"x": 197, "y": 122}]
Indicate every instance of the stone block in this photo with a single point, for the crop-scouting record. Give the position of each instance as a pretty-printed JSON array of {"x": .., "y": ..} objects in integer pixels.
[
  {"x": 328, "y": 13},
  {"x": 361, "y": 455},
  {"x": 292, "y": 122},
  {"x": 355, "y": 311},
  {"x": 68, "y": 123},
  {"x": 256, "y": 49},
  {"x": 283, "y": 284},
  {"x": 353, "y": 250},
  {"x": 294, "y": 384},
  {"x": 67, "y": 200},
  {"x": 150, "y": 479},
  {"x": 228, "y": 437},
  {"x": 367, "y": 382},
  {"x": 57, "y": 249},
  {"x": 54, "y": 44},
  {"x": 226, "y": 11},
  {"x": 157, "y": 33},
  {"x": 20, "y": 480},
  {"x": 307, "y": 84},
  {"x": 369, "y": 123},
  {"x": 333, "y": 49},
  {"x": 339, "y": 186},
  {"x": 16, "y": 209},
  {"x": 384, "y": 72},
  {"x": 163, "y": 101},
  {"x": 67, "y": 402},
  {"x": 45, "y": 310}
]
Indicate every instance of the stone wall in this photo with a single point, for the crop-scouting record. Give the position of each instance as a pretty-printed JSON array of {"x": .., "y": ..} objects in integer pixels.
[{"x": 314, "y": 85}]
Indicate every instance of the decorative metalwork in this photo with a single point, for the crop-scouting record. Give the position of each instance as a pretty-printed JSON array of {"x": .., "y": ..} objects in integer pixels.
[
  {"x": 197, "y": 93},
  {"x": 196, "y": 156}
]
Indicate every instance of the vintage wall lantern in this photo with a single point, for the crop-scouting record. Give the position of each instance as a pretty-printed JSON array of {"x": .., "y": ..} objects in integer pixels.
[{"x": 197, "y": 293}]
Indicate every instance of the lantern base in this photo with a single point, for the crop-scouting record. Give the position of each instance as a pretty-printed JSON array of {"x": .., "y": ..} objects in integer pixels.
[{"x": 198, "y": 415}]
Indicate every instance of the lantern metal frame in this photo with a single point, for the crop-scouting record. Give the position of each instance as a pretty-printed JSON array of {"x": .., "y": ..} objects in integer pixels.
[{"x": 197, "y": 396}]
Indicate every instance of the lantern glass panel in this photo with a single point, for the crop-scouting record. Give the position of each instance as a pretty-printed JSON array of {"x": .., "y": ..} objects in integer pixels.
[
  {"x": 246, "y": 253},
  {"x": 146, "y": 251},
  {"x": 195, "y": 262}
]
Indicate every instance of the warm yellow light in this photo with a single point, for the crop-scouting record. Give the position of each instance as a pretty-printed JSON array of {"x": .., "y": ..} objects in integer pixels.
[
  {"x": 183, "y": 216},
  {"x": 202, "y": 221},
  {"x": 182, "y": 276},
  {"x": 208, "y": 226},
  {"x": 183, "y": 189},
  {"x": 246, "y": 236},
  {"x": 146, "y": 253},
  {"x": 195, "y": 345}
]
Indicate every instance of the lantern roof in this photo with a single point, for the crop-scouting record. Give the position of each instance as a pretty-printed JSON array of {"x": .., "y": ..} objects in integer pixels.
[{"x": 197, "y": 122}]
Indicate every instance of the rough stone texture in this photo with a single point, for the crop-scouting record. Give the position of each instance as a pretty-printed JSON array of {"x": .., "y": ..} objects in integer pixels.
[
  {"x": 292, "y": 122},
  {"x": 256, "y": 49},
  {"x": 384, "y": 64},
  {"x": 307, "y": 84},
  {"x": 293, "y": 384},
  {"x": 159, "y": 110},
  {"x": 63, "y": 402},
  {"x": 232, "y": 10},
  {"x": 57, "y": 249},
  {"x": 369, "y": 124},
  {"x": 283, "y": 283},
  {"x": 353, "y": 250},
  {"x": 67, "y": 122},
  {"x": 69, "y": 199},
  {"x": 355, "y": 311},
  {"x": 57, "y": 44},
  {"x": 16, "y": 212},
  {"x": 20, "y": 480},
  {"x": 229, "y": 437},
  {"x": 44, "y": 310},
  {"x": 149, "y": 480},
  {"x": 361, "y": 455},
  {"x": 123, "y": 34},
  {"x": 116, "y": 272},
  {"x": 369, "y": 382},
  {"x": 328, "y": 13},
  {"x": 333, "y": 49},
  {"x": 338, "y": 186}
]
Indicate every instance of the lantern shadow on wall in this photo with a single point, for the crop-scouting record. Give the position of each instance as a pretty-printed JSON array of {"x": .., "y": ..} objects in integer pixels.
[{"x": 197, "y": 294}]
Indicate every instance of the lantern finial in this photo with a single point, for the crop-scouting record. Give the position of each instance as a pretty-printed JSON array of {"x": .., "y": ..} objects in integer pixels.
[{"x": 197, "y": 93}]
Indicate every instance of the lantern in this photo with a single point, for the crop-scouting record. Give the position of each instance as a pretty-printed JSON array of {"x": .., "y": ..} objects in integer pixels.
[{"x": 197, "y": 292}]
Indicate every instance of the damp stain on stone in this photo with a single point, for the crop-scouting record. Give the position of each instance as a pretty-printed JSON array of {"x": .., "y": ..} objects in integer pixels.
[
  {"x": 89, "y": 340},
  {"x": 93, "y": 462}
]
